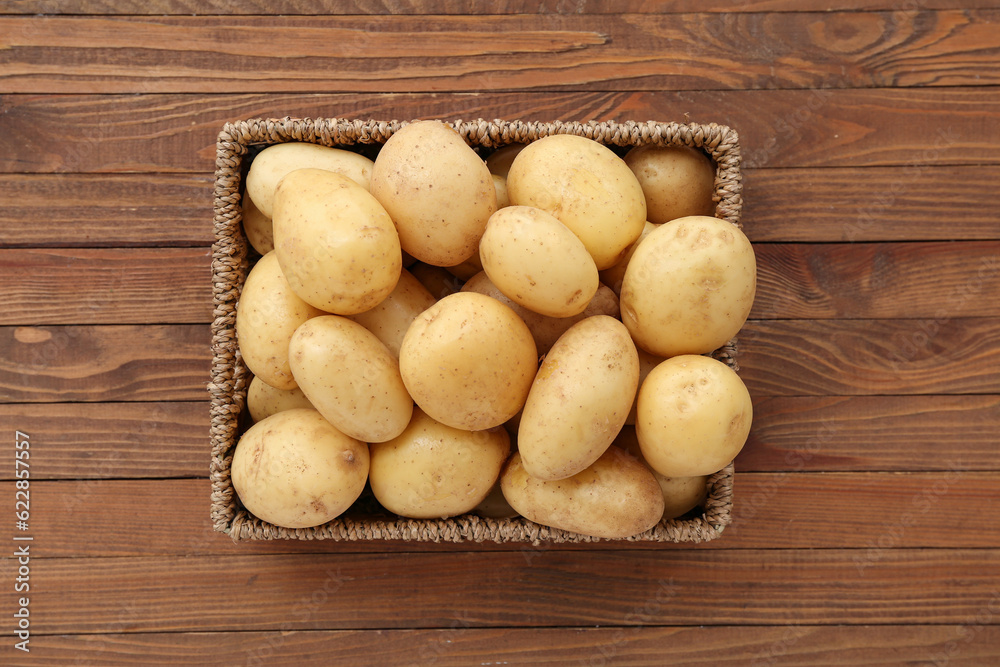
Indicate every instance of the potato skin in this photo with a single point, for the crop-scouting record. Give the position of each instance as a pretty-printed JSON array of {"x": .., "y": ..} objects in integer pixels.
[
  {"x": 336, "y": 245},
  {"x": 579, "y": 399},
  {"x": 677, "y": 181},
  {"x": 587, "y": 187},
  {"x": 616, "y": 497},
  {"x": 438, "y": 191},
  {"x": 267, "y": 315},
  {"x": 689, "y": 286},
  {"x": 680, "y": 494},
  {"x": 434, "y": 471},
  {"x": 693, "y": 416},
  {"x": 294, "y": 469},
  {"x": 277, "y": 161},
  {"x": 257, "y": 227},
  {"x": 263, "y": 400},
  {"x": 390, "y": 319},
  {"x": 468, "y": 361},
  {"x": 351, "y": 377}
]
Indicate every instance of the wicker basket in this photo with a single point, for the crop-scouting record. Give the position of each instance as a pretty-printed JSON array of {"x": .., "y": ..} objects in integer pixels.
[{"x": 229, "y": 375}]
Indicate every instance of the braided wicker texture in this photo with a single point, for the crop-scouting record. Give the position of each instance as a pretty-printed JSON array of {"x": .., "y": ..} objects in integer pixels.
[{"x": 230, "y": 378}]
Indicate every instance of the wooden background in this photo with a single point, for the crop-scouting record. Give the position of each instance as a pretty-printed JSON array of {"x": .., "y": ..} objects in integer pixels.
[{"x": 867, "y": 521}]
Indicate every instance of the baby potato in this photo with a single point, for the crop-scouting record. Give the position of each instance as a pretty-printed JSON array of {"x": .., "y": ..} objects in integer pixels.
[
  {"x": 647, "y": 362},
  {"x": 437, "y": 190},
  {"x": 351, "y": 377},
  {"x": 263, "y": 400},
  {"x": 336, "y": 244},
  {"x": 267, "y": 315},
  {"x": 615, "y": 497},
  {"x": 546, "y": 330},
  {"x": 676, "y": 181},
  {"x": 693, "y": 416},
  {"x": 680, "y": 494},
  {"x": 257, "y": 228},
  {"x": 499, "y": 161},
  {"x": 689, "y": 286},
  {"x": 500, "y": 185},
  {"x": 468, "y": 361},
  {"x": 295, "y": 470},
  {"x": 390, "y": 319},
  {"x": 278, "y": 160},
  {"x": 614, "y": 276},
  {"x": 587, "y": 187},
  {"x": 579, "y": 399},
  {"x": 434, "y": 471},
  {"x": 538, "y": 262}
]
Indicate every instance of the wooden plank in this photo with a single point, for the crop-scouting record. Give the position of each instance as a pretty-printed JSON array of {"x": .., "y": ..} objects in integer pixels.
[
  {"x": 112, "y": 440},
  {"x": 501, "y": 589},
  {"x": 544, "y": 51},
  {"x": 404, "y": 7},
  {"x": 911, "y": 129},
  {"x": 82, "y": 210},
  {"x": 104, "y": 363},
  {"x": 967, "y": 645},
  {"x": 872, "y": 512},
  {"x": 870, "y": 204},
  {"x": 870, "y": 357},
  {"x": 869, "y": 433},
  {"x": 940, "y": 281},
  {"x": 114, "y": 285}
]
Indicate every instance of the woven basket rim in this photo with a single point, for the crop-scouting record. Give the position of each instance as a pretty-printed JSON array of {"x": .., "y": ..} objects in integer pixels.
[{"x": 230, "y": 263}]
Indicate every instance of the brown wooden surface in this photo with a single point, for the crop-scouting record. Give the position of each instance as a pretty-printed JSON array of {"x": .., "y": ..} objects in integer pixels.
[{"x": 867, "y": 499}]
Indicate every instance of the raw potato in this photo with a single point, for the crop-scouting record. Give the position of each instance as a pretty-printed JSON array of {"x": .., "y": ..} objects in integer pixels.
[
  {"x": 693, "y": 416},
  {"x": 438, "y": 191},
  {"x": 500, "y": 185},
  {"x": 433, "y": 471},
  {"x": 689, "y": 286},
  {"x": 468, "y": 361},
  {"x": 351, "y": 377},
  {"x": 676, "y": 181},
  {"x": 277, "y": 161},
  {"x": 587, "y": 187},
  {"x": 680, "y": 494},
  {"x": 257, "y": 227},
  {"x": 295, "y": 470},
  {"x": 267, "y": 315},
  {"x": 579, "y": 399},
  {"x": 546, "y": 330},
  {"x": 390, "y": 319},
  {"x": 647, "y": 362},
  {"x": 336, "y": 244},
  {"x": 614, "y": 276},
  {"x": 538, "y": 262},
  {"x": 263, "y": 400},
  {"x": 615, "y": 498}
]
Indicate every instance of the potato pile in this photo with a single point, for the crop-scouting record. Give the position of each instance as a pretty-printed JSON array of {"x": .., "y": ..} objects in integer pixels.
[{"x": 525, "y": 335}]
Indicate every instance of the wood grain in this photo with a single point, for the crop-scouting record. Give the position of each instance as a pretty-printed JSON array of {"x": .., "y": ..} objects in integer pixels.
[
  {"x": 737, "y": 51},
  {"x": 872, "y": 433},
  {"x": 972, "y": 645},
  {"x": 873, "y": 512},
  {"x": 870, "y": 357},
  {"x": 940, "y": 281},
  {"x": 115, "y": 285},
  {"x": 113, "y": 440},
  {"x": 104, "y": 363},
  {"x": 911, "y": 129},
  {"x": 83, "y": 210},
  {"x": 501, "y": 589},
  {"x": 870, "y": 204}
]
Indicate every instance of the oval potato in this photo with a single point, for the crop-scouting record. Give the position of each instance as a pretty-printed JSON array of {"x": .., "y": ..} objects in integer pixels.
[
  {"x": 437, "y": 190},
  {"x": 434, "y": 471},
  {"x": 278, "y": 160},
  {"x": 579, "y": 399},
  {"x": 263, "y": 400},
  {"x": 390, "y": 319},
  {"x": 680, "y": 494},
  {"x": 336, "y": 244},
  {"x": 693, "y": 416},
  {"x": 257, "y": 227},
  {"x": 613, "y": 277},
  {"x": 538, "y": 262},
  {"x": 587, "y": 187},
  {"x": 267, "y": 315},
  {"x": 689, "y": 286},
  {"x": 677, "y": 181},
  {"x": 614, "y": 498},
  {"x": 468, "y": 361},
  {"x": 351, "y": 377},
  {"x": 295, "y": 470}
]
